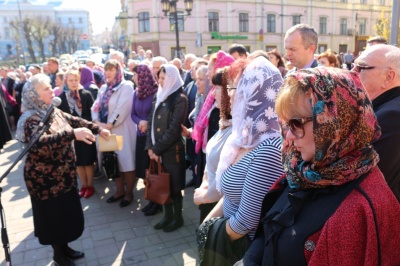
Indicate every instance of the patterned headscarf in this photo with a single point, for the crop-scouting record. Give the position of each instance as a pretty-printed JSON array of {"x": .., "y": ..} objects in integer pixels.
[
  {"x": 87, "y": 77},
  {"x": 253, "y": 112},
  {"x": 32, "y": 104},
  {"x": 172, "y": 83},
  {"x": 101, "y": 103},
  {"x": 147, "y": 84},
  {"x": 223, "y": 59},
  {"x": 344, "y": 124}
]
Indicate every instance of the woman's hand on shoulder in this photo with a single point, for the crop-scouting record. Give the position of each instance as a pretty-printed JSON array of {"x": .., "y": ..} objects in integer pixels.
[{"x": 84, "y": 134}]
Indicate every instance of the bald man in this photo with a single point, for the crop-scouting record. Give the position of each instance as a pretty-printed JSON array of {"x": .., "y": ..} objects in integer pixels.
[{"x": 379, "y": 70}]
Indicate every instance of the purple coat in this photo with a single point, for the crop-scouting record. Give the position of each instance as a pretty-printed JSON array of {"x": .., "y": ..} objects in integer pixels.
[{"x": 141, "y": 109}]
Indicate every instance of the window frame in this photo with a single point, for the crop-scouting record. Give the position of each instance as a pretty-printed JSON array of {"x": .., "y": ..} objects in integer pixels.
[
  {"x": 213, "y": 21},
  {"x": 243, "y": 22},
  {"x": 294, "y": 19},
  {"x": 271, "y": 24},
  {"x": 323, "y": 25},
  {"x": 144, "y": 21},
  {"x": 343, "y": 31},
  {"x": 181, "y": 21}
]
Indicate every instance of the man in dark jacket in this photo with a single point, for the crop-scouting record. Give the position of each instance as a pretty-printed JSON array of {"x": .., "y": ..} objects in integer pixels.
[
  {"x": 379, "y": 71},
  {"x": 301, "y": 42}
]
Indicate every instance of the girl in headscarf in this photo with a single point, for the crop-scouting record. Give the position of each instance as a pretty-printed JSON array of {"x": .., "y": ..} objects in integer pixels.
[
  {"x": 112, "y": 110},
  {"x": 88, "y": 82},
  {"x": 77, "y": 102},
  {"x": 49, "y": 170},
  {"x": 147, "y": 87},
  {"x": 250, "y": 159},
  {"x": 332, "y": 206},
  {"x": 164, "y": 140}
]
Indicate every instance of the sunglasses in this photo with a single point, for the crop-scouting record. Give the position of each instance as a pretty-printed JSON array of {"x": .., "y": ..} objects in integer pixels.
[
  {"x": 357, "y": 68},
  {"x": 296, "y": 126}
]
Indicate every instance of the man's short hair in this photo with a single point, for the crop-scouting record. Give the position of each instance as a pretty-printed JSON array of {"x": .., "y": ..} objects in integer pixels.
[
  {"x": 377, "y": 39},
  {"x": 159, "y": 59},
  {"x": 239, "y": 48},
  {"x": 308, "y": 34},
  {"x": 53, "y": 60},
  {"x": 119, "y": 55}
]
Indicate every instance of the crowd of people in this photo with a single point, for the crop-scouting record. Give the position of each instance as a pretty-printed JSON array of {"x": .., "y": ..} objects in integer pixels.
[{"x": 293, "y": 158}]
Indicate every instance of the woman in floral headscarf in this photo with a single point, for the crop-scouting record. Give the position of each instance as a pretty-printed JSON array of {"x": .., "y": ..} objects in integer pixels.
[
  {"x": 164, "y": 141},
  {"x": 112, "y": 110},
  {"x": 147, "y": 87},
  {"x": 332, "y": 206}
]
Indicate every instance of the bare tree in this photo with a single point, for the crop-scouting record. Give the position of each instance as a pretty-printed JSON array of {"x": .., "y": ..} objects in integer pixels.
[
  {"x": 73, "y": 38},
  {"x": 40, "y": 32},
  {"x": 55, "y": 32}
]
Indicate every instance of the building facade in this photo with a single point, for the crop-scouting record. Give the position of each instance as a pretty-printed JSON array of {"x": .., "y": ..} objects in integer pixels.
[
  {"x": 259, "y": 24},
  {"x": 18, "y": 10}
]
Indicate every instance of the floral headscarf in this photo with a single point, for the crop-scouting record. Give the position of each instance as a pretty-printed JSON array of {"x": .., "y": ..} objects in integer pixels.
[
  {"x": 32, "y": 104},
  {"x": 344, "y": 124},
  {"x": 172, "y": 83},
  {"x": 87, "y": 78},
  {"x": 101, "y": 103},
  {"x": 147, "y": 84},
  {"x": 253, "y": 112},
  {"x": 223, "y": 59}
]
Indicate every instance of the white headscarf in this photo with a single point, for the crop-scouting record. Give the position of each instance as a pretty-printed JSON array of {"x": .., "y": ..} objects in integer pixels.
[
  {"x": 253, "y": 112},
  {"x": 172, "y": 83}
]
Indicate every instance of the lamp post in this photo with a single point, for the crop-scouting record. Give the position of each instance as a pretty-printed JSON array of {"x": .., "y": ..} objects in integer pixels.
[{"x": 169, "y": 7}]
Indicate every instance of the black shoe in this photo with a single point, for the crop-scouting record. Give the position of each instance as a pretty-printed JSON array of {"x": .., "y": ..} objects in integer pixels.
[
  {"x": 190, "y": 183},
  {"x": 147, "y": 207},
  {"x": 168, "y": 216},
  {"x": 63, "y": 261},
  {"x": 175, "y": 224},
  {"x": 153, "y": 209},
  {"x": 114, "y": 199},
  {"x": 124, "y": 203},
  {"x": 73, "y": 254}
]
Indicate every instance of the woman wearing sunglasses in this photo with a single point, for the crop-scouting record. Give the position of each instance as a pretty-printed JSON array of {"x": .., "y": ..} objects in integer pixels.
[{"x": 332, "y": 206}]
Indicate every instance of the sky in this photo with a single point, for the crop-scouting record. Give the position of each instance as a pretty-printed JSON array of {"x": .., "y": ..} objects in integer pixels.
[{"x": 101, "y": 13}]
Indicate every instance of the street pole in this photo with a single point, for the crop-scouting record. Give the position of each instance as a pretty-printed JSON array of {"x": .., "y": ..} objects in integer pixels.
[
  {"x": 178, "y": 49},
  {"x": 394, "y": 29},
  {"x": 22, "y": 35}
]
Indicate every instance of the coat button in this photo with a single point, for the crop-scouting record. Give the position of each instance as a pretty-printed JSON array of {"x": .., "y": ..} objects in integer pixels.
[
  {"x": 163, "y": 104},
  {"x": 159, "y": 116},
  {"x": 158, "y": 129}
]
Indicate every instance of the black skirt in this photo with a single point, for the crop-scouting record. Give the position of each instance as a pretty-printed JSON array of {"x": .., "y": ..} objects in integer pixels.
[
  {"x": 142, "y": 157},
  {"x": 85, "y": 154},
  {"x": 58, "y": 220}
]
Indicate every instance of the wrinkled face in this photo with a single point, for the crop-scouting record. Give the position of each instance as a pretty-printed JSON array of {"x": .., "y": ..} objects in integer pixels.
[
  {"x": 110, "y": 74},
  {"x": 72, "y": 82},
  {"x": 45, "y": 92},
  {"x": 155, "y": 68},
  {"x": 217, "y": 95},
  {"x": 161, "y": 79},
  {"x": 296, "y": 52}
]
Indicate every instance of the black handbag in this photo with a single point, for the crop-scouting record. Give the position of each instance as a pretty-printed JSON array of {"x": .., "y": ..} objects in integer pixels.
[{"x": 110, "y": 164}]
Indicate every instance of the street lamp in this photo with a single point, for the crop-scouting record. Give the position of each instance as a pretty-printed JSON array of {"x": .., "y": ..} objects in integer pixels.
[{"x": 169, "y": 6}]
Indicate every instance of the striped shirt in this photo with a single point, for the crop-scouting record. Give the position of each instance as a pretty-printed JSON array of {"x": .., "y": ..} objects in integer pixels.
[{"x": 245, "y": 184}]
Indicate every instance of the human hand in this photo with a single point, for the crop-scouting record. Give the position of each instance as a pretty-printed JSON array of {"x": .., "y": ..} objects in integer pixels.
[
  {"x": 186, "y": 132},
  {"x": 199, "y": 195},
  {"x": 104, "y": 133},
  {"x": 84, "y": 134},
  {"x": 142, "y": 126}
]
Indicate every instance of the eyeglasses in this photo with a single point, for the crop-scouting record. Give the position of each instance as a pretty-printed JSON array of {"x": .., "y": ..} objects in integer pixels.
[
  {"x": 357, "y": 68},
  {"x": 296, "y": 126}
]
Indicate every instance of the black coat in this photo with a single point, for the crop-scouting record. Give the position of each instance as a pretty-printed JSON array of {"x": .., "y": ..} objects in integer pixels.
[
  {"x": 169, "y": 143},
  {"x": 86, "y": 100}
]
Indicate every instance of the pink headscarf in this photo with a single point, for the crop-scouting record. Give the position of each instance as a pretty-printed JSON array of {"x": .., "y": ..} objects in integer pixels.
[{"x": 223, "y": 59}]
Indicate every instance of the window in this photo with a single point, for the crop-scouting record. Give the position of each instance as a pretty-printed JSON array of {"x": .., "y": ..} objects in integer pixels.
[
  {"x": 343, "y": 48},
  {"x": 382, "y": 2},
  {"x": 181, "y": 22},
  {"x": 322, "y": 25},
  {"x": 5, "y": 19},
  {"x": 6, "y": 33},
  {"x": 362, "y": 26},
  {"x": 322, "y": 48},
  {"x": 174, "y": 52},
  {"x": 343, "y": 26},
  {"x": 271, "y": 23},
  {"x": 144, "y": 22},
  {"x": 363, "y": 1},
  {"x": 213, "y": 21},
  {"x": 270, "y": 47},
  {"x": 80, "y": 20},
  {"x": 296, "y": 19},
  {"x": 343, "y": 1},
  {"x": 243, "y": 22},
  {"x": 70, "y": 20},
  {"x": 213, "y": 49}
]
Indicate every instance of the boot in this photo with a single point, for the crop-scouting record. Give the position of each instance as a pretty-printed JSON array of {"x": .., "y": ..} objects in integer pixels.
[
  {"x": 177, "y": 218},
  {"x": 153, "y": 209},
  {"x": 147, "y": 207},
  {"x": 59, "y": 257},
  {"x": 168, "y": 217}
]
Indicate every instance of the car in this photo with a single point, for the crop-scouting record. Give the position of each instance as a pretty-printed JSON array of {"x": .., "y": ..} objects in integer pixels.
[
  {"x": 66, "y": 59},
  {"x": 83, "y": 58}
]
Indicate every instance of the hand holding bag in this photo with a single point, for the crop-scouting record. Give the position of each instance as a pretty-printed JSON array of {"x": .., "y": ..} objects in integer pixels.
[{"x": 157, "y": 184}]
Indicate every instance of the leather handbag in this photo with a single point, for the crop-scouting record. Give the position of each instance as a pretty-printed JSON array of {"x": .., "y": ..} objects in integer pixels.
[
  {"x": 157, "y": 184},
  {"x": 109, "y": 161}
]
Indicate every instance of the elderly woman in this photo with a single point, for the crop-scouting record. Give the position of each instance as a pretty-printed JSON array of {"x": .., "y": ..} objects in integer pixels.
[
  {"x": 143, "y": 96},
  {"x": 112, "y": 110},
  {"x": 77, "y": 102},
  {"x": 164, "y": 140},
  {"x": 332, "y": 206},
  {"x": 49, "y": 170},
  {"x": 250, "y": 159}
]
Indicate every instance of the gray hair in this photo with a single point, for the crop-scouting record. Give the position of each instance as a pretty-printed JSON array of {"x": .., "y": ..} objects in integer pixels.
[
  {"x": 308, "y": 34},
  {"x": 159, "y": 59},
  {"x": 118, "y": 55},
  {"x": 393, "y": 58}
]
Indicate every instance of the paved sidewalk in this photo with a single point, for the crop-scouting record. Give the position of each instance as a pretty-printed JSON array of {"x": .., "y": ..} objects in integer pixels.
[{"x": 112, "y": 236}]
